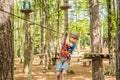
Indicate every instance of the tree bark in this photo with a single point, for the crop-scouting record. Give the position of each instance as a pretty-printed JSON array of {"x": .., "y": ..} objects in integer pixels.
[
  {"x": 42, "y": 31},
  {"x": 118, "y": 42},
  {"x": 95, "y": 27},
  {"x": 109, "y": 26},
  {"x": 6, "y": 40},
  {"x": 115, "y": 8},
  {"x": 28, "y": 46},
  {"x": 96, "y": 47},
  {"x": 58, "y": 25},
  {"x": 97, "y": 68},
  {"x": 47, "y": 35},
  {"x": 33, "y": 43},
  {"x": 110, "y": 41},
  {"x": 66, "y": 16}
]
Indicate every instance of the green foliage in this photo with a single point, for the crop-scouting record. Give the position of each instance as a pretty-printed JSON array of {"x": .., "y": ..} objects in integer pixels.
[{"x": 78, "y": 20}]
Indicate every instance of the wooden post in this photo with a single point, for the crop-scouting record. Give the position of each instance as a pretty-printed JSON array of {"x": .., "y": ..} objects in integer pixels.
[
  {"x": 28, "y": 44},
  {"x": 65, "y": 7},
  {"x": 97, "y": 64},
  {"x": 118, "y": 42},
  {"x": 96, "y": 47},
  {"x": 97, "y": 69}
]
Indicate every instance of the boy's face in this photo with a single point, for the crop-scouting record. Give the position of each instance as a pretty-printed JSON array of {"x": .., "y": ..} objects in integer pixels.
[{"x": 72, "y": 39}]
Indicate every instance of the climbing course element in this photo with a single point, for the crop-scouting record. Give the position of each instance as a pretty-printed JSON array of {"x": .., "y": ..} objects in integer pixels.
[
  {"x": 27, "y": 68},
  {"x": 65, "y": 7},
  {"x": 26, "y": 4}
]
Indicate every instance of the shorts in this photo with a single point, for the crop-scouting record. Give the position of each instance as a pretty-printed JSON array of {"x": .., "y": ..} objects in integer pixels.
[{"x": 62, "y": 66}]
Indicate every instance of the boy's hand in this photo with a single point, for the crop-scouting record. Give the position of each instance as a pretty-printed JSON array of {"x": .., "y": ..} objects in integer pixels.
[
  {"x": 66, "y": 32},
  {"x": 69, "y": 44}
]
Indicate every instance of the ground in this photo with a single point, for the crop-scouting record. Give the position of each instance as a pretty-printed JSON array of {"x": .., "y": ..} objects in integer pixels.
[{"x": 76, "y": 71}]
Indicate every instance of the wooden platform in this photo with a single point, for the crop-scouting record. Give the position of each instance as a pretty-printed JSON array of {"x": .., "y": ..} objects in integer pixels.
[
  {"x": 77, "y": 56},
  {"x": 65, "y": 7},
  {"x": 26, "y": 10},
  {"x": 102, "y": 56}
]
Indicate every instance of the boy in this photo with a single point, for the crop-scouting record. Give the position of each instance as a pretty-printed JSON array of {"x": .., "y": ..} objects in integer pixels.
[{"x": 63, "y": 59}]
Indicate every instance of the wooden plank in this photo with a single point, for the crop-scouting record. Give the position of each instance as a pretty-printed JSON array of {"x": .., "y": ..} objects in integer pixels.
[{"x": 103, "y": 56}]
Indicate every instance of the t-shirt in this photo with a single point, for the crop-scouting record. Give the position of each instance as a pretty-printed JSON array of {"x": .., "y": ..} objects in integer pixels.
[
  {"x": 83, "y": 40},
  {"x": 72, "y": 47},
  {"x": 71, "y": 50}
]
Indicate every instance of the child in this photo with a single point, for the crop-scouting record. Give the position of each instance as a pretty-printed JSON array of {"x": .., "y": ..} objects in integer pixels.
[
  {"x": 83, "y": 42},
  {"x": 26, "y": 4},
  {"x": 63, "y": 58}
]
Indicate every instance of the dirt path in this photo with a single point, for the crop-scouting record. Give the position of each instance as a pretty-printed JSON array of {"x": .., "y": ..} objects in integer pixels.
[{"x": 80, "y": 72}]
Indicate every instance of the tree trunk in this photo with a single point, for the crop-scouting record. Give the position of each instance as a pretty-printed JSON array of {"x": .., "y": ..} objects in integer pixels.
[
  {"x": 58, "y": 25},
  {"x": 47, "y": 35},
  {"x": 95, "y": 27},
  {"x": 97, "y": 69},
  {"x": 58, "y": 32},
  {"x": 33, "y": 42},
  {"x": 66, "y": 16},
  {"x": 118, "y": 42},
  {"x": 109, "y": 27},
  {"x": 110, "y": 41},
  {"x": 115, "y": 8},
  {"x": 28, "y": 46},
  {"x": 6, "y": 40},
  {"x": 96, "y": 46},
  {"x": 22, "y": 41},
  {"x": 42, "y": 31}
]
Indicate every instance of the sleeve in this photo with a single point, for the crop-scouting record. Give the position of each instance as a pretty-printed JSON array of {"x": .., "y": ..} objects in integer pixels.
[{"x": 73, "y": 47}]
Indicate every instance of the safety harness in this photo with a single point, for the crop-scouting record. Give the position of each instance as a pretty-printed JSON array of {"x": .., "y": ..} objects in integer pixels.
[{"x": 65, "y": 50}]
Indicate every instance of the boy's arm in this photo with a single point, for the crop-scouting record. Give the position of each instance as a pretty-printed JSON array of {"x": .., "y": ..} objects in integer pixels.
[
  {"x": 67, "y": 40},
  {"x": 69, "y": 44}
]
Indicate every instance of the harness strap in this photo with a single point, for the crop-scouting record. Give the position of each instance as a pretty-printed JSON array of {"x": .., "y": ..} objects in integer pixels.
[{"x": 65, "y": 53}]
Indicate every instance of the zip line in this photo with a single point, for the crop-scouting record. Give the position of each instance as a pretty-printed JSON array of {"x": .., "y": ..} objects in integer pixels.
[{"x": 28, "y": 20}]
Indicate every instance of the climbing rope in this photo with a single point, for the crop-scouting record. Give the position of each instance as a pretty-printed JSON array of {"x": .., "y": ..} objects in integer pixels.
[{"x": 28, "y": 21}]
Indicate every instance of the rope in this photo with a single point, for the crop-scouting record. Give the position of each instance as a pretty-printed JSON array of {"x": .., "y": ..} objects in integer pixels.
[{"x": 27, "y": 20}]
